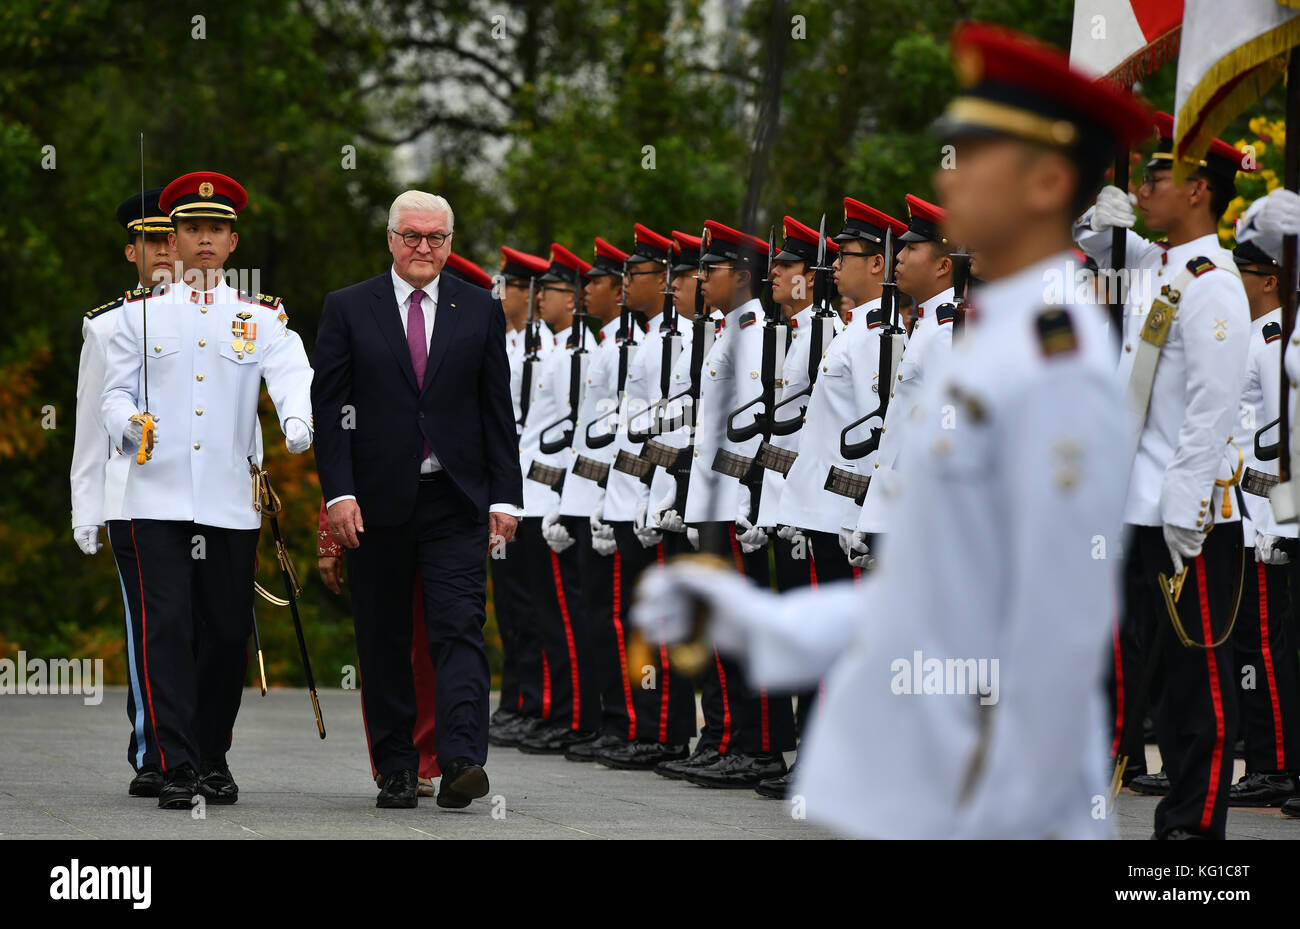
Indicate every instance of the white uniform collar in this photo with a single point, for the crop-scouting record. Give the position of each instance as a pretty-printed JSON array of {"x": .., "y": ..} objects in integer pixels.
[
  {"x": 800, "y": 319},
  {"x": 859, "y": 313},
  {"x": 1201, "y": 245},
  {"x": 1272, "y": 316},
  {"x": 929, "y": 306},
  {"x": 562, "y": 335}
]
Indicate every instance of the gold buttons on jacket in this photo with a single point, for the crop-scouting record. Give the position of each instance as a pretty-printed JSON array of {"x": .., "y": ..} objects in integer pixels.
[
  {"x": 198, "y": 377},
  {"x": 202, "y": 342},
  {"x": 157, "y": 348},
  {"x": 196, "y": 446},
  {"x": 199, "y": 411}
]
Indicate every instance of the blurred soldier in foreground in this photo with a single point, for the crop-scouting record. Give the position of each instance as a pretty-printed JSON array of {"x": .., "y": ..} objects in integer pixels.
[{"x": 978, "y": 676}]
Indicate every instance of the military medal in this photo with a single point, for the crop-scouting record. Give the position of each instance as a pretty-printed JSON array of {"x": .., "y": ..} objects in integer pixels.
[{"x": 237, "y": 345}]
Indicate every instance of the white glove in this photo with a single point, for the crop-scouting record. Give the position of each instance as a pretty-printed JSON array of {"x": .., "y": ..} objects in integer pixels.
[
  {"x": 667, "y": 595},
  {"x": 846, "y": 542},
  {"x": 599, "y": 528},
  {"x": 648, "y": 536},
  {"x": 553, "y": 531},
  {"x": 1183, "y": 543},
  {"x": 693, "y": 536},
  {"x": 786, "y": 532},
  {"x": 752, "y": 538},
  {"x": 87, "y": 537},
  {"x": 1267, "y": 550},
  {"x": 859, "y": 554},
  {"x": 603, "y": 546},
  {"x": 1114, "y": 208},
  {"x": 1280, "y": 214},
  {"x": 134, "y": 432},
  {"x": 297, "y": 437},
  {"x": 665, "y": 517}
]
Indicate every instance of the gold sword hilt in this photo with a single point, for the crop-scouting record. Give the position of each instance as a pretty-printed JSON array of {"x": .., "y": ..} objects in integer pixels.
[{"x": 145, "y": 452}]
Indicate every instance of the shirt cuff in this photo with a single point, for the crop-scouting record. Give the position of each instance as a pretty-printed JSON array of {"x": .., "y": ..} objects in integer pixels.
[
  {"x": 509, "y": 508},
  {"x": 330, "y": 503}
]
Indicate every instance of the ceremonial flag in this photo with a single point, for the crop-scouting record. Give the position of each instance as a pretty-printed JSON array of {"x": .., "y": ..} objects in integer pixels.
[
  {"x": 1231, "y": 55},
  {"x": 1124, "y": 40}
]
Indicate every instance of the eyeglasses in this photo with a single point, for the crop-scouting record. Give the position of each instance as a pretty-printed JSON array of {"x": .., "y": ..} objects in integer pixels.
[
  {"x": 558, "y": 290},
  {"x": 1257, "y": 272},
  {"x": 844, "y": 254},
  {"x": 642, "y": 273},
  {"x": 413, "y": 239},
  {"x": 707, "y": 270},
  {"x": 1151, "y": 179}
]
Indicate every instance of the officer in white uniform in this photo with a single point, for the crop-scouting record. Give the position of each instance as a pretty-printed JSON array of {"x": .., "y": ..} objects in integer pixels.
[
  {"x": 1184, "y": 380},
  {"x": 98, "y": 476},
  {"x": 1022, "y": 485},
  {"x": 925, "y": 273},
  {"x": 194, "y": 523}
]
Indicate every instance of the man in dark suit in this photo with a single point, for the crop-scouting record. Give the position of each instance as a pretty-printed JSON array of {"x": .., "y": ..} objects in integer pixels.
[{"x": 411, "y": 398}]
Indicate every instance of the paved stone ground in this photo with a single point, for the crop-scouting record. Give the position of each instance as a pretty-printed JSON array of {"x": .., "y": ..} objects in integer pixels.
[{"x": 63, "y": 773}]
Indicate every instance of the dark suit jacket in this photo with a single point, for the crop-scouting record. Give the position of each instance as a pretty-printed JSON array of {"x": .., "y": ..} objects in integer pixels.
[{"x": 463, "y": 409}]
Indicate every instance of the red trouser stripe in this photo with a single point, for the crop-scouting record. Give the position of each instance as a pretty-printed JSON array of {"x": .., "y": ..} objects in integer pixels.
[
  {"x": 1212, "y": 667},
  {"x": 622, "y": 648},
  {"x": 857, "y": 573},
  {"x": 546, "y": 687},
  {"x": 568, "y": 641},
  {"x": 144, "y": 649},
  {"x": 1119, "y": 698},
  {"x": 663, "y": 671},
  {"x": 1267, "y": 650},
  {"x": 726, "y": 706}
]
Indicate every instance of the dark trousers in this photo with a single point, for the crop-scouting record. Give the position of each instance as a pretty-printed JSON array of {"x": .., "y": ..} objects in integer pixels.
[
  {"x": 190, "y": 581},
  {"x": 444, "y": 544},
  {"x": 601, "y": 583},
  {"x": 521, "y": 661},
  {"x": 663, "y": 698},
  {"x": 737, "y": 718},
  {"x": 141, "y": 751},
  {"x": 1193, "y": 690},
  {"x": 1268, "y": 672}
]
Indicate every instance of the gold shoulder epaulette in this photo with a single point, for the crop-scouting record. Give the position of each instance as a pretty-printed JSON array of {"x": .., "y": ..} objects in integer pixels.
[
  {"x": 110, "y": 305},
  {"x": 266, "y": 300}
]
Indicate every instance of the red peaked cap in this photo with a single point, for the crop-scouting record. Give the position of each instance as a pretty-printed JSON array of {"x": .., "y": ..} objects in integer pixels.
[
  {"x": 466, "y": 270},
  {"x": 722, "y": 243},
  {"x": 1221, "y": 159},
  {"x": 686, "y": 251},
  {"x": 1014, "y": 85},
  {"x": 925, "y": 221},
  {"x": 866, "y": 222},
  {"x": 517, "y": 265},
  {"x": 801, "y": 242},
  {"x": 650, "y": 245},
  {"x": 565, "y": 266},
  {"x": 609, "y": 260},
  {"x": 203, "y": 194}
]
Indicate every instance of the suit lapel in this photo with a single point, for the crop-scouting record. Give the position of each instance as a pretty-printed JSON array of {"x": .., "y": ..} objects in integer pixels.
[
  {"x": 446, "y": 319},
  {"x": 389, "y": 320}
]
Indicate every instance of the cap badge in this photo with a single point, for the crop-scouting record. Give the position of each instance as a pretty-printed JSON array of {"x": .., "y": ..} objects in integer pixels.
[{"x": 205, "y": 190}]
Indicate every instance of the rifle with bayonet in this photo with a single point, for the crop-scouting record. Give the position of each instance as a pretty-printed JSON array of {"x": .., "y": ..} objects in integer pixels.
[
  {"x": 960, "y": 286},
  {"x": 577, "y": 376},
  {"x": 850, "y": 483},
  {"x": 532, "y": 349},
  {"x": 626, "y": 341}
]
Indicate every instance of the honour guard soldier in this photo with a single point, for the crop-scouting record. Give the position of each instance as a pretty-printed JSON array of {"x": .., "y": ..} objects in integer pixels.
[
  {"x": 665, "y": 712},
  {"x": 587, "y": 465},
  {"x": 527, "y": 342},
  {"x": 753, "y": 728},
  {"x": 924, "y": 273},
  {"x": 1020, "y": 484},
  {"x": 98, "y": 476},
  {"x": 570, "y": 701},
  {"x": 191, "y": 500},
  {"x": 1185, "y": 551},
  {"x": 1268, "y": 674}
]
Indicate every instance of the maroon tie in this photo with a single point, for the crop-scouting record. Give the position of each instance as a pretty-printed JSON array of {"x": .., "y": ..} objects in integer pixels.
[{"x": 415, "y": 341}]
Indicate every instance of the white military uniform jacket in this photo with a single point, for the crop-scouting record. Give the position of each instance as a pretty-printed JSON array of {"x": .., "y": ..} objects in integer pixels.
[
  {"x": 581, "y": 496},
  {"x": 1259, "y": 406},
  {"x": 1195, "y": 396},
  {"x": 846, "y": 390},
  {"x": 550, "y": 403},
  {"x": 729, "y": 381},
  {"x": 794, "y": 378},
  {"x": 204, "y": 394},
  {"x": 1024, "y": 487},
  {"x": 928, "y": 348},
  {"x": 624, "y": 492},
  {"x": 515, "y": 357}
]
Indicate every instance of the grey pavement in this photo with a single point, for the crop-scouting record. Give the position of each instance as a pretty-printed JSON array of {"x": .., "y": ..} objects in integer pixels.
[{"x": 63, "y": 773}]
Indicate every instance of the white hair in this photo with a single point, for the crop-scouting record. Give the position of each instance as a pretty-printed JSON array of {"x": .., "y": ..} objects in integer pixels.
[{"x": 417, "y": 201}]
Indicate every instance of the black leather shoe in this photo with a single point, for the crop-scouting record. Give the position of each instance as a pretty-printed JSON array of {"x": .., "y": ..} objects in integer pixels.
[
  {"x": 1153, "y": 785},
  {"x": 738, "y": 770},
  {"x": 1262, "y": 790},
  {"x": 462, "y": 781},
  {"x": 401, "y": 791},
  {"x": 586, "y": 751},
  {"x": 501, "y": 716},
  {"x": 554, "y": 740},
  {"x": 217, "y": 785},
  {"x": 676, "y": 770},
  {"x": 178, "y": 789},
  {"x": 1291, "y": 807},
  {"x": 777, "y": 788},
  {"x": 1178, "y": 835},
  {"x": 148, "y": 782},
  {"x": 510, "y": 733},
  {"x": 641, "y": 756}
]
